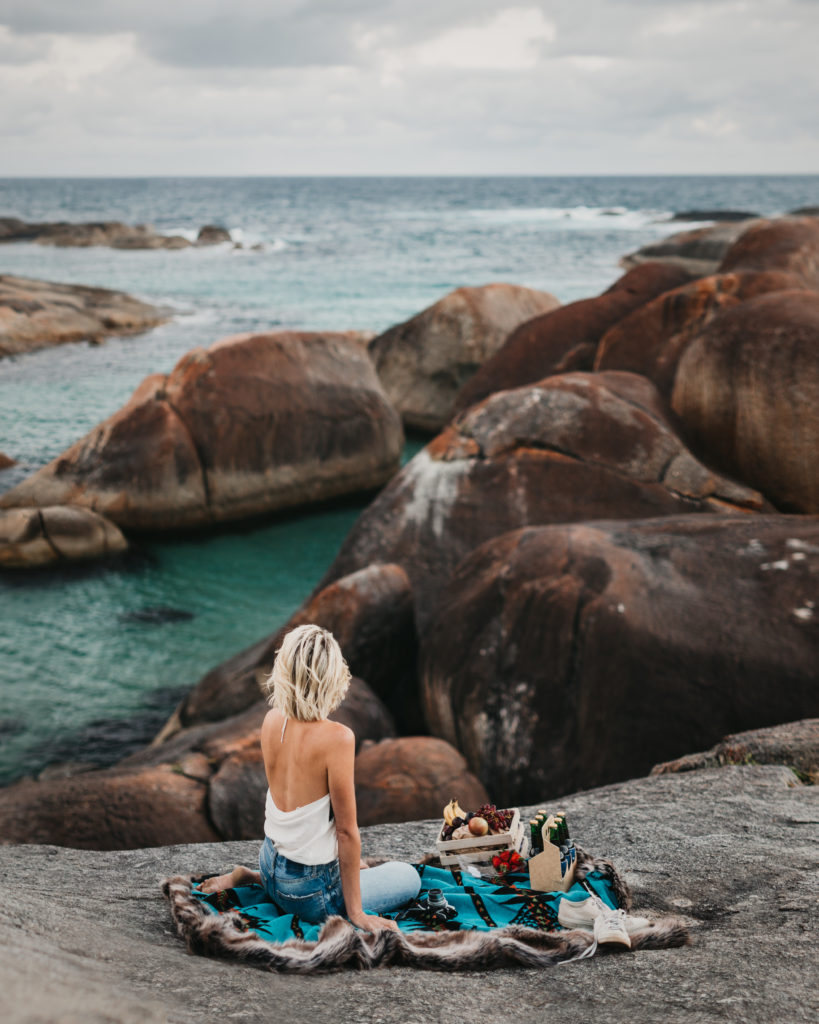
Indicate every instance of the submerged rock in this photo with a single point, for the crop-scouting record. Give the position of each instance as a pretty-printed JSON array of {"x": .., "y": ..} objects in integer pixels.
[
  {"x": 156, "y": 615},
  {"x": 795, "y": 745},
  {"x": 565, "y": 339},
  {"x": 38, "y": 314},
  {"x": 35, "y": 537},
  {"x": 412, "y": 777},
  {"x": 424, "y": 362},
  {"x": 6, "y": 461},
  {"x": 574, "y": 447},
  {"x": 252, "y": 425},
  {"x": 746, "y": 392},
  {"x": 566, "y": 656}
]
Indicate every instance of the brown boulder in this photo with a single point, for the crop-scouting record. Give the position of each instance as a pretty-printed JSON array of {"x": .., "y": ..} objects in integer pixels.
[
  {"x": 795, "y": 744},
  {"x": 252, "y": 425},
  {"x": 651, "y": 340},
  {"x": 424, "y": 362},
  {"x": 570, "y": 656},
  {"x": 38, "y": 314},
  {"x": 790, "y": 244},
  {"x": 6, "y": 461},
  {"x": 108, "y": 810},
  {"x": 34, "y": 537},
  {"x": 698, "y": 251},
  {"x": 579, "y": 446},
  {"x": 747, "y": 394},
  {"x": 369, "y": 612},
  {"x": 566, "y": 339},
  {"x": 412, "y": 778}
]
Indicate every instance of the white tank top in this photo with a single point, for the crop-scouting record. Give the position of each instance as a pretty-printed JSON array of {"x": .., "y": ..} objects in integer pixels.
[{"x": 306, "y": 834}]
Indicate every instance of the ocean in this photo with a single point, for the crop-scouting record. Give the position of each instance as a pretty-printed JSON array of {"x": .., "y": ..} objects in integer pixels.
[{"x": 89, "y": 669}]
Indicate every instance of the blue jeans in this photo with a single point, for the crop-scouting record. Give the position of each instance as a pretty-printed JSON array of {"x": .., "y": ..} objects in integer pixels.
[{"x": 313, "y": 891}]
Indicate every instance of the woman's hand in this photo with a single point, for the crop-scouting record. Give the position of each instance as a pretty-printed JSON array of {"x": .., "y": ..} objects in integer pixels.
[{"x": 373, "y": 923}]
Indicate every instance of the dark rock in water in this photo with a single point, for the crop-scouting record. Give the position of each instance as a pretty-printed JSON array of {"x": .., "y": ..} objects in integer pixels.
[
  {"x": 651, "y": 340},
  {"x": 574, "y": 447},
  {"x": 31, "y": 538},
  {"x": 795, "y": 745},
  {"x": 6, "y": 462},
  {"x": 790, "y": 245},
  {"x": 412, "y": 777},
  {"x": 109, "y": 233},
  {"x": 715, "y": 215},
  {"x": 11, "y": 726},
  {"x": 700, "y": 844},
  {"x": 370, "y": 613},
  {"x": 156, "y": 616},
  {"x": 805, "y": 211},
  {"x": 212, "y": 234},
  {"x": 698, "y": 251},
  {"x": 566, "y": 656},
  {"x": 565, "y": 339},
  {"x": 39, "y": 314},
  {"x": 253, "y": 425},
  {"x": 746, "y": 393},
  {"x": 424, "y": 362}
]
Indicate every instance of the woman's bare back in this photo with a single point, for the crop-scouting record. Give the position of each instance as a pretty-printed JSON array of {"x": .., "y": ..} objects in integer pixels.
[{"x": 296, "y": 764}]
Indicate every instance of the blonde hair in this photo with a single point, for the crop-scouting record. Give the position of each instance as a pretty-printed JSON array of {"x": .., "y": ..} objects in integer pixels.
[{"x": 310, "y": 676}]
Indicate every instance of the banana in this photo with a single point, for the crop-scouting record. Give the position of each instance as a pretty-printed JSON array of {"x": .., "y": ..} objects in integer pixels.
[{"x": 452, "y": 811}]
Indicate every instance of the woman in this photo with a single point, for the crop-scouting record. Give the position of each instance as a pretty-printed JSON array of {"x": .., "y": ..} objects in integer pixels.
[{"x": 310, "y": 861}]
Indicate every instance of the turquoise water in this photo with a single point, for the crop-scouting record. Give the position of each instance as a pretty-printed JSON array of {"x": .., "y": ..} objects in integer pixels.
[{"x": 77, "y": 680}]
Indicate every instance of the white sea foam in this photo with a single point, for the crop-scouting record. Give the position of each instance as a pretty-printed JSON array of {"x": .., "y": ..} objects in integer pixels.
[{"x": 604, "y": 217}]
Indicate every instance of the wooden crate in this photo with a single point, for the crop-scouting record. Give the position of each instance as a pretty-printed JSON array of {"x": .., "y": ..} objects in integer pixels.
[{"x": 481, "y": 848}]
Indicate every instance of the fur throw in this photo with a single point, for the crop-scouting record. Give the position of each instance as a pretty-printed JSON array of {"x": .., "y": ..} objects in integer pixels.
[{"x": 340, "y": 945}]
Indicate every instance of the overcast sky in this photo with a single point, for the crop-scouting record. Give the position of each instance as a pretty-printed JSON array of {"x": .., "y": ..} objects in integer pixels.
[{"x": 113, "y": 87}]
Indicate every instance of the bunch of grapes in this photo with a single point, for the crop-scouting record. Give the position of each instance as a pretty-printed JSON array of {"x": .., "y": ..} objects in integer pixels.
[{"x": 498, "y": 821}]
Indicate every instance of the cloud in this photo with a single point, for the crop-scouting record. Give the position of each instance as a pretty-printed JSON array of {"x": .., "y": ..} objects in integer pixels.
[{"x": 359, "y": 86}]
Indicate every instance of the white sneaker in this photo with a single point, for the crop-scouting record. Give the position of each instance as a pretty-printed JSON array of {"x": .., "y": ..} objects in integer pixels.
[
  {"x": 586, "y": 913},
  {"x": 610, "y": 927}
]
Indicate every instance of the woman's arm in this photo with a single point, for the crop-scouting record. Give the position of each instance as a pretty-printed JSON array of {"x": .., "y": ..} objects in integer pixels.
[{"x": 341, "y": 783}]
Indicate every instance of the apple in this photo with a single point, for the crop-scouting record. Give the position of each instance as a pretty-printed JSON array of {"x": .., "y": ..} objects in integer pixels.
[{"x": 478, "y": 826}]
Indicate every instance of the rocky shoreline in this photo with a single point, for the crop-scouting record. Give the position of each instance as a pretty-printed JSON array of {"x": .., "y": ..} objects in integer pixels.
[{"x": 606, "y": 557}]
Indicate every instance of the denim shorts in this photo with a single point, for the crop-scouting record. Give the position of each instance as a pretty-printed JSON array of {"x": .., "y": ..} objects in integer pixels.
[{"x": 312, "y": 891}]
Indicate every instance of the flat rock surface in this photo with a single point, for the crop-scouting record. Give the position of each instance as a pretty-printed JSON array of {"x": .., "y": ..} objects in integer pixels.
[{"x": 87, "y": 936}]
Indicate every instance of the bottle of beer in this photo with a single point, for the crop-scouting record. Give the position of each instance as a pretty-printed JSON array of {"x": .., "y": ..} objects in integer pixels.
[
  {"x": 554, "y": 832},
  {"x": 535, "y": 838}
]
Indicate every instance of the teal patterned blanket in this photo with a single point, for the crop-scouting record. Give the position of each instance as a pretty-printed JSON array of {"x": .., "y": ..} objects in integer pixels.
[
  {"x": 480, "y": 904},
  {"x": 498, "y": 922}
]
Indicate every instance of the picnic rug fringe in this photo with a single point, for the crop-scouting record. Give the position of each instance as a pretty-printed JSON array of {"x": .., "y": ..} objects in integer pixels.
[{"x": 340, "y": 945}]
